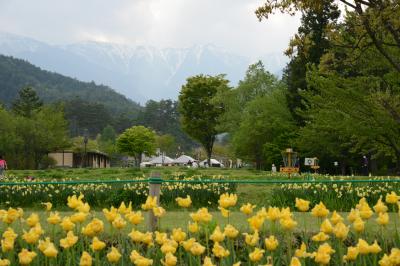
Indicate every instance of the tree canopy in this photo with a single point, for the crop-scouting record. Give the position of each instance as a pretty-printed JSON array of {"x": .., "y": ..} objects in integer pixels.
[
  {"x": 201, "y": 108},
  {"x": 136, "y": 141}
]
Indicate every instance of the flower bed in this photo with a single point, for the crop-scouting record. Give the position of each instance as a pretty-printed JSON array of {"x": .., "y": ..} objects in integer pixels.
[
  {"x": 273, "y": 236},
  {"x": 98, "y": 194}
]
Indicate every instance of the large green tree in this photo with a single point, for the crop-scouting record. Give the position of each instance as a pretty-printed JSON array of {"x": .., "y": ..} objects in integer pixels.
[
  {"x": 306, "y": 48},
  {"x": 136, "y": 141},
  {"x": 201, "y": 109},
  {"x": 27, "y": 103},
  {"x": 265, "y": 129}
]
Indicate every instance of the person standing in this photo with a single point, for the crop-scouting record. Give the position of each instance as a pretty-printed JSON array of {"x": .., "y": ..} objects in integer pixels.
[
  {"x": 3, "y": 165},
  {"x": 273, "y": 168}
]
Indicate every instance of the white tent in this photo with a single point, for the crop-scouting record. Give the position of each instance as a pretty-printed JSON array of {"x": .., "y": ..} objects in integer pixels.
[
  {"x": 161, "y": 160},
  {"x": 213, "y": 162},
  {"x": 184, "y": 159}
]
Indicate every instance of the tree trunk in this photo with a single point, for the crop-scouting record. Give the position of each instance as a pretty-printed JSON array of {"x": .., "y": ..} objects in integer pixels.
[
  {"x": 209, "y": 153},
  {"x": 138, "y": 160}
]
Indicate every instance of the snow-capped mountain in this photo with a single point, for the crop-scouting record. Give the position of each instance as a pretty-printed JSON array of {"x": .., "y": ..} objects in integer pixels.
[{"x": 139, "y": 72}]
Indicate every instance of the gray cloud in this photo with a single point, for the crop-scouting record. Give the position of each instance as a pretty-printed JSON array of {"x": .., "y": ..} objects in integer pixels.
[{"x": 230, "y": 24}]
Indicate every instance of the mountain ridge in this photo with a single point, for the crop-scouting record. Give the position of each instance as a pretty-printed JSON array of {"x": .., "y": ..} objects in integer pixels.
[{"x": 140, "y": 72}]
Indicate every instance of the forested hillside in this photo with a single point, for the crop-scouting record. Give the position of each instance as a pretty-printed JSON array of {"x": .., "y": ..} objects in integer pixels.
[{"x": 51, "y": 87}]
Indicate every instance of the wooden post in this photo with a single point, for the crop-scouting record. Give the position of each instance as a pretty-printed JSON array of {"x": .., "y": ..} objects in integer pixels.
[{"x": 155, "y": 181}]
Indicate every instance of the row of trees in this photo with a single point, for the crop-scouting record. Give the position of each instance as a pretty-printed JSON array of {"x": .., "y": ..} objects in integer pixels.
[{"x": 338, "y": 99}]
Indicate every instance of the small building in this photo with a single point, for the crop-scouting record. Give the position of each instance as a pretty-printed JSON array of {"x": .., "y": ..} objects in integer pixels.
[
  {"x": 90, "y": 159},
  {"x": 161, "y": 160}
]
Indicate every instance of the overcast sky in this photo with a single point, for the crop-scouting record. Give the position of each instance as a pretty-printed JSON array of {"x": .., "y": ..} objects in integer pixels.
[{"x": 230, "y": 24}]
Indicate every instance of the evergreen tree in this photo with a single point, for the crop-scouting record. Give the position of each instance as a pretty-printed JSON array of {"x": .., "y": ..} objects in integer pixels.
[
  {"x": 307, "y": 48},
  {"x": 27, "y": 103}
]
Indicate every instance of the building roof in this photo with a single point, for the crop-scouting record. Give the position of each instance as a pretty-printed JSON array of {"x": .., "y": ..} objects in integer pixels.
[
  {"x": 162, "y": 159},
  {"x": 184, "y": 159}
]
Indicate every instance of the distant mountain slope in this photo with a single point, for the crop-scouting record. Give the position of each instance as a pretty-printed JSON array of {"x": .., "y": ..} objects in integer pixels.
[
  {"x": 51, "y": 87},
  {"x": 139, "y": 72}
]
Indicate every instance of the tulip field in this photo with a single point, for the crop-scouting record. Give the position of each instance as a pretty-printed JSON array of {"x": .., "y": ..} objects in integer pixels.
[
  {"x": 266, "y": 235},
  {"x": 200, "y": 223}
]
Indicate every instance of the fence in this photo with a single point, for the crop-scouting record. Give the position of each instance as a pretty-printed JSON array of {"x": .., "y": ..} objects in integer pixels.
[{"x": 155, "y": 181}]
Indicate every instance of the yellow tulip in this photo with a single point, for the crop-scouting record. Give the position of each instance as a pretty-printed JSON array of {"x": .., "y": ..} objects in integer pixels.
[
  {"x": 202, "y": 215},
  {"x": 5, "y": 262},
  {"x": 159, "y": 211},
  {"x": 295, "y": 262},
  {"x": 178, "y": 235},
  {"x": 119, "y": 222},
  {"x": 326, "y": 227},
  {"x": 380, "y": 207},
  {"x": 86, "y": 259},
  {"x": 320, "y": 237},
  {"x": 110, "y": 214},
  {"x": 247, "y": 208},
  {"x": 136, "y": 236},
  {"x": 256, "y": 255},
  {"x": 217, "y": 235},
  {"x": 43, "y": 244},
  {"x": 253, "y": 239},
  {"x": 383, "y": 218},
  {"x": 85, "y": 207},
  {"x": 161, "y": 238},
  {"x": 320, "y": 210},
  {"x": 47, "y": 205},
  {"x": 359, "y": 225},
  {"x": 193, "y": 227},
  {"x": 363, "y": 247},
  {"x": 375, "y": 248},
  {"x": 79, "y": 217},
  {"x": 30, "y": 237},
  {"x": 113, "y": 256},
  {"x": 134, "y": 218},
  {"x": 227, "y": 200},
  {"x": 97, "y": 244},
  {"x": 256, "y": 222},
  {"x": 184, "y": 202},
  {"x": 392, "y": 198},
  {"x": 302, "y": 205},
  {"x": 67, "y": 224},
  {"x": 25, "y": 257},
  {"x": 69, "y": 240},
  {"x": 341, "y": 231},
  {"x": 150, "y": 203},
  {"x": 395, "y": 256},
  {"x": 188, "y": 244},
  {"x": 230, "y": 231},
  {"x": 271, "y": 243},
  {"x": 74, "y": 202},
  {"x": 169, "y": 246},
  {"x": 352, "y": 254},
  {"x": 32, "y": 220},
  {"x": 147, "y": 238},
  {"x": 50, "y": 251},
  {"x": 353, "y": 215},
  {"x": 336, "y": 218},
  {"x": 7, "y": 244},
  {"x": 54, "y": 218},
  {"x": 10, "y": 234},
  {"x": 224, "y": 212},
  {"x": 288, "y": 224},
  {"x": 197, "y": 249},
  {"x": 169, "y": 260},
  {"x": 208, "y": 261},
  {"x": 302, "y": 252},
  {"x": 219, "y": 251},
  {"x": 143, "y": 262}
]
